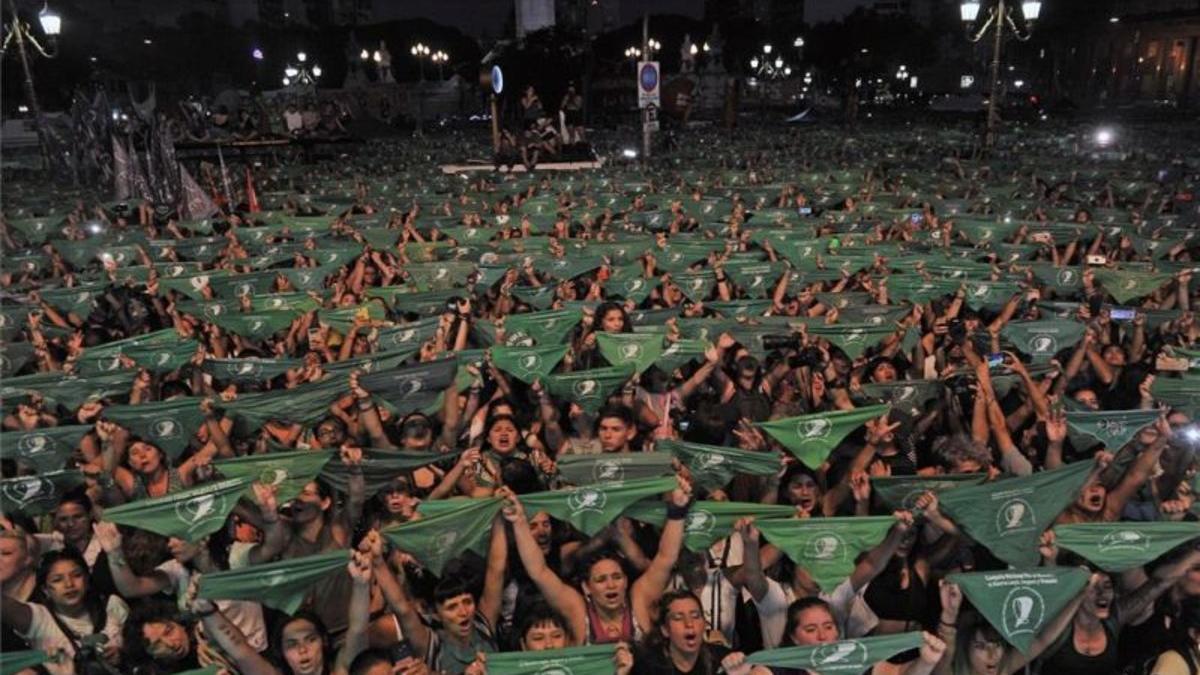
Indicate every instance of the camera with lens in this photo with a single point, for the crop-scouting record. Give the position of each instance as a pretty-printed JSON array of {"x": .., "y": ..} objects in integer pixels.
[{"x": 89, "y": 659}]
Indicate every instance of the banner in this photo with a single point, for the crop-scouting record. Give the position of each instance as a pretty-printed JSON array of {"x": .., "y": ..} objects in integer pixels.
[
  {"x": 1120, "y": 546},
  {"x": 1008, "y": 516},
  {"x": 812, "y": 437},
  {"x": 190, "y": 514},
  {"x": 282, "y": 584},
  {"x": 1019, "y": 603},
  {"x": 845, "y": 656},
  {"x": 826, "y": 547}
]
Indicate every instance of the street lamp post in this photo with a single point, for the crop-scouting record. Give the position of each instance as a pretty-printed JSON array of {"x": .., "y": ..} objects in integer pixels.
[
  {"x": 302, "y": 75},
  {"x": 439, "y": 57},
  {"x": 19, "y": 32},
  {"x": 1000, "y": 15},
  {"x": 421, "y": 52}
]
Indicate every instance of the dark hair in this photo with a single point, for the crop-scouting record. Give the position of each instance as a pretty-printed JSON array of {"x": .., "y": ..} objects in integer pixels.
[
  {"x": 657, "y": 641},
  {"x": 971, "y": 624},
  {"x": 795, "y": 471},
  {"x": 538, "y": 613},
  {"x": 451, "y": 587},
  {"x": 620, "y": 412},
  {"x": 369, "y": 659},
  {"x": 96, "y": 606},
  {"x": 77, "y": 497},
  {"x": 793, "y": 616},
  {"x": 277, "y": 639},
  {"x": 151, "y": 610},
  {"x": 519, "y": 475},
  {"x": 605, "y": 308},
  {"x": 1187, "y": 619}
]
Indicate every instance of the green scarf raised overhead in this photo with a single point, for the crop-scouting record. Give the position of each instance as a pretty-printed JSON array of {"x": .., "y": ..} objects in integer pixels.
[
  {"x": 589, "y": 660},
  {"x": 283, "y": 584},
  {"x": 1008, "y": 516},
  {"x": 589, "y": 389},
  {"x": 162, "y": 358},
  {"x": 591, "y": 507},
  {"x": 1126, "y": 285},
  {"x": 854, "y": 339},
  {"x": 437, "y": 539},
  {"x": 37, "y": 495},
  {"x": 634, "y": 350},
  {"x": 12, "y": 663},
  {"x": 846, "y": 656},
  {"x": 46, "y": 449},
  {"x": 550, "y": 327},
  {"x": 1116, "y": 547},
  {"x": 901, "y": 492},
  {"x": 1178, "y": 392},
  {"x": 528, "y": 363},
  {"x": 713, "y": 466},
  {"x": 1113, "y": 428},
  {"x": 1020, "y": 603},
  {"x": 708, "y": 521},
  {"x": 412, "y": 387},
  {"x": 826, "y": 547},
  {"x": 812, "y": 437},
  {"x": 190, "y": 514},
  {"x": 249, "y": 371},
  {"x": 910, "y": 396},
  {"x": 254, "y": 325},
  {"x": 289, "y": 472},
  {"x": 680, "y": 353},
  {"x": 1041, "y": 340},
  {"x": 169, "y": 425},
  {"x": 614, "y": 466},
  {"x": 380, "y": 467}
]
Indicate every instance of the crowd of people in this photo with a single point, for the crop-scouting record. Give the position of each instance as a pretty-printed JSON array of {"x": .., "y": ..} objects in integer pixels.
[{"x": 781, "y": 404}]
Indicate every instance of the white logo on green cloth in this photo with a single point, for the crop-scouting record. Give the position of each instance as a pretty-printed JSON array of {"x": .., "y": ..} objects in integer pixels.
[
  {"x": 811, "y": 429},
  {"x": 162, "y": 358},
  {"x": 1024, "y": 610},
  {"x": 33, "y": 444},
  {"x": 709, "y": 460},
  {"x": 825, "y": 546},
  {"x": 196, "y": 511},
  {"x": 1043, "y": 344},
  {"x": 276, "y": 578},
  {"x": 586, "y": 499},
  {"x": 635, "y": 285},
  {"x": 110, "y": 365},
  {"x": 608, "y": 470},
  {"x": 405, "y": 335},
  {"x": 83, "y": 297},
  {"x": 443, "y": 542},
  {"x": 850, "y": 654},
  {"x": 530, "y": 363},
  {"x": 214, "y": 310},
  {"x": 631, "y": 351},
  {"x": 412, "y": 386},
  {"x": 248, "y": 369},
  {"x": 519, "y": 339},
  {"x": 166, "y": 428},
  {"x": 1112, "y": 428},
  {"x": 555, "y": 669},
  {"x": 700, "y": 522},
  {"x": 273, "y": 476},
  {"x": 26, "y": 490},
  {"x": 1015, "y": 515},
  {"x": 855, "y": 335},
  {"x": 199, "y": 282},
  {"x": 1124, "y": 540},
  {"x": 586, "y": 388}
]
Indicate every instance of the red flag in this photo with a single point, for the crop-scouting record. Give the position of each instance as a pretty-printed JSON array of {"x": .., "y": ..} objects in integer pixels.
[{"x": 251, "y": 194}]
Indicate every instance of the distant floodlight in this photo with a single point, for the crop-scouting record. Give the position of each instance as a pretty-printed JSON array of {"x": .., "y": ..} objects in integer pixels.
[
  {"x": 767, "y": 49},
  {"x": 798, "y": 42},
  {"x": 754, "y": 62},
  {"x": 364, "y": 55},
  {"x": 629, "y": 153},
  {"x": 301, "y": 57},
  {"x": 291, "y": 71},
  {"x": 316, "y": 71},
  {"x": 1104, "y": 137},
  {"x": 966, "y": 81},
  {"x": 257, "y": 54},
  {"x": 287, "y": 82},
  {"x": 1019, "y": 83},
  {"x": 1114, "y": 19},
  {"x": 377, "y": 57}
]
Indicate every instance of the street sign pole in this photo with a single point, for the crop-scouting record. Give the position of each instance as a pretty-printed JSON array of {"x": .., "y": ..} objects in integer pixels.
[{"x": 645, "y": 112}]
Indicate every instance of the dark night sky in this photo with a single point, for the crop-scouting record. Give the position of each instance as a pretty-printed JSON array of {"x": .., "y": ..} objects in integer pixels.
[{"x": 488, "y": 16}]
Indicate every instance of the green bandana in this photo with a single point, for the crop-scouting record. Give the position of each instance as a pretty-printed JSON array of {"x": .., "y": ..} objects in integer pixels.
[
  {"x": 1116, "y": 547},
  {"x": 989, "y": 294},
  {"x": 1126, "y": 285},
  {"x": 46, "y": 449},
  {"x": 845, "y": 656},
  {"x": 812, "y": 437},
  {"x": 714, "y": 466},
  {"x": 306, "y": 278},
  {"x": 541, "y": 328},
  {"x": 249, "y": 371},
  {"x": 37, "y": 495},
  {"x": 305, "y": 404},
  {"x": 79, "y": 300},
  {"x": 169, "y": 425},
  {"x": 589, "y": 660},
  {"x": 528, "y": 363},
  {"x": 162, "y": 358},
  {"x": 289, "y": 472},
  {"x": 190, "y": 285},
  {"x": 901, "y": 492},
  {"x": 1020, "y": 603},
  {"x": 589, "y": 389},
  {"x": 734, "y": 309},
  {"x": 854, "y": 339},
  {"x": 282, "y": 585},
  {"x": 1113, "y": 428},
  {"x": 190, "y": 514},
  {"x": 631, "y": 285},
  {"x": 697, "y": 286},
  {"x": 343, "y": 318},
  {"x": 14, "y": 356},
  {"x": 1041, "y": 340},
  {"x": 909, "y": 396},
  {"x": 1008, "y": 516},
  {"x": 591, "y": 507},
  {"x": 12, "y": 663},
  {"x": 539, "y": 298},
  {"x": 380, "y": 467},
  {"x": 708, "y": 521},
  {"x": 1063, "y": 280},
  {"x": 414, "y": 387},
  {"x": 679, "y": 353},
  {"x": 254, "y": 325},
  {"x": 826, "y": 547},
  {"x": 409, "y": 335},
  {"x": 614, "y": 466},
  {"x": 437, "y": 539},
  {"x": 1183, "y": 392},
  {"x": 630, "y": 350}
]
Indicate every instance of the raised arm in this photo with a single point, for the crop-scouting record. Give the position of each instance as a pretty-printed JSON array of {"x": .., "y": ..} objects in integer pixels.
[
  {"x": 360, "y": 568},
  {"x": 650, "y": 586},
  {"x": 128, "y": 583},
  {"x": 493, "y": 581},
  {"x": 276, "y": 535},
  {"x": 1137, "y": 474},
  {"x": 226, "y": 634},
  {"x": 368, "y": 415},
  {"x": 562, "y": 598}
]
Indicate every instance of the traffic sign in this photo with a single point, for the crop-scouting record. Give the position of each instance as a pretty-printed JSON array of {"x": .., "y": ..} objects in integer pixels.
[
  {"x": 649, "y": 81},
  {"x": 651, "y": 118}
]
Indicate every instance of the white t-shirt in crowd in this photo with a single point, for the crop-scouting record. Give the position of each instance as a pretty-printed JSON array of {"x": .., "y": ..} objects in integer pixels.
[
  {"x": 244, "y": 614},
  {"x": 850, "y": 611},
  {"x": 44, "y": 633}
]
